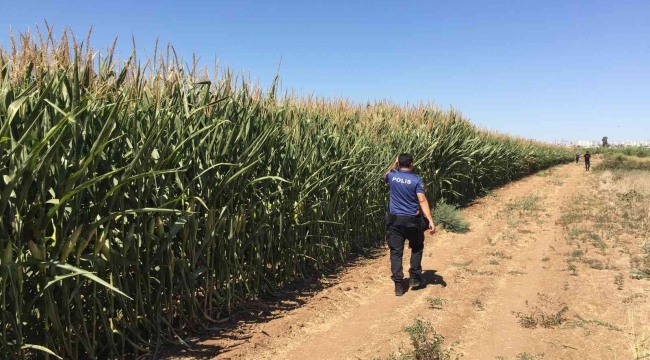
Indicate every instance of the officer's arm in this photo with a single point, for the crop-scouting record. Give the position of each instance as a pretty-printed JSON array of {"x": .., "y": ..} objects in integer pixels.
[
  {"x": 426, "y": 210},
  {"x": 391, "y": 168}
]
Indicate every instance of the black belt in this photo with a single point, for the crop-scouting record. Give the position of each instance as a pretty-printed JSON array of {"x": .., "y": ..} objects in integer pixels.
[
  {"x": 409, "y": 221},
  {"x": 406, "y": 219}
]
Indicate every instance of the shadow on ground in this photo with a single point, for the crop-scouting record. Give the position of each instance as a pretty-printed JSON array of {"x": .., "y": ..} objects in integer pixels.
[
  {"x": 431, "y": 278},
  {"x": 293, "y": 296}
]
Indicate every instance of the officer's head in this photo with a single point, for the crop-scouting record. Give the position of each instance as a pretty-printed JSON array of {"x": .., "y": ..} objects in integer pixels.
[{"x": 405, "y": 161}]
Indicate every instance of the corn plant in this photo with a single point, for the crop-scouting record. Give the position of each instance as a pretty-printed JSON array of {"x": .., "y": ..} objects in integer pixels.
[{"x": 144, "y": 201}]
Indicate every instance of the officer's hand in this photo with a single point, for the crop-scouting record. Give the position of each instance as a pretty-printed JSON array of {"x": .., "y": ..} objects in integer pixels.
[
  {"x": 396, "y": 161},
  {"x": 432, "y": 228}
]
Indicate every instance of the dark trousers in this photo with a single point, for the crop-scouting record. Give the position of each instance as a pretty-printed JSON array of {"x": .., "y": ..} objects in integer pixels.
[
  {"x": 577, "y": 159},
  {"x": 397, "y": 234},
  {"x": 587, "y": 165}
]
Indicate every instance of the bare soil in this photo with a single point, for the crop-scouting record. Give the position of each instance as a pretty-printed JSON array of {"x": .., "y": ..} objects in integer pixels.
[{"x": 498, "y": 281}]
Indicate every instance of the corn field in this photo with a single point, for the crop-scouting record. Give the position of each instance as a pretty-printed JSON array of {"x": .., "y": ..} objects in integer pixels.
[{"x": 142, "y": 201}]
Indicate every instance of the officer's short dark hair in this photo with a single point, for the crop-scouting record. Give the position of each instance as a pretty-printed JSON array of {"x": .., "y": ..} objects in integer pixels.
[{"x": 405, "y": 160}]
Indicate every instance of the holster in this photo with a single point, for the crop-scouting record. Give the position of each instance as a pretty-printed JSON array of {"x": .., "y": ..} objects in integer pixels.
[
  {"x": 423, "y": 223},
  {"x": 390, "y": 219}
]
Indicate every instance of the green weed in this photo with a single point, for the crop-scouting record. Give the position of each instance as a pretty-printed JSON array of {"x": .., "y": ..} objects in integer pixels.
[
  {"x": 573, "y": 269},
  {"x": 524, "y": 356},
  {"x": 436, "y": 303},
  {"x": 580, "y": 321},
  {"x": 427, "y": 344},
  {"x": 462, "y": 264},
  {"x": 630, "y": 299},
  {"x": 449, "y": 217},
  {"x": 618, "y": 281},
  {"x": 500, "y": 255}
]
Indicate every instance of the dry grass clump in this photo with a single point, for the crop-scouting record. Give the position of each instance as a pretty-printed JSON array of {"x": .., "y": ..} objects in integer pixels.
[
  {"x": 549, "y": 313},
  {"x": 621, "y": 183},
  {"x": 628, "y": 196},
  {"x": 627, "y": 200}
]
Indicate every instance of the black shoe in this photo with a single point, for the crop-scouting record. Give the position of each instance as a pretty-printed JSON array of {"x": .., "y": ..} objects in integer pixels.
[
  {"x": 399, "y": 289},
  {"x": 415, "y": 281}
]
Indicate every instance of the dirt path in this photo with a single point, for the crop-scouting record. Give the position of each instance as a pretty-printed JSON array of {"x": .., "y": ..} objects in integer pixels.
[{"x": 515, "y": 250}]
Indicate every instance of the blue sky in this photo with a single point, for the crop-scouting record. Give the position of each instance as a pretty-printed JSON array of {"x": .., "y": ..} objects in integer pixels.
[{"x": 539, "y": 69}]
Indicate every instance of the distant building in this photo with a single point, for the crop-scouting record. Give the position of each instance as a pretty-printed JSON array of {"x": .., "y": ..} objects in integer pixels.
[
  {"x": 587, "y": 143},
  {"x": 596, "y": 143}
]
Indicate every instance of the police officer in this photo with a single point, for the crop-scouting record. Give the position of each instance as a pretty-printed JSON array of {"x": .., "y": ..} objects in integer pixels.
[
  {"x": 587, "y": 160},
  {"x": 405, "y": 221}
]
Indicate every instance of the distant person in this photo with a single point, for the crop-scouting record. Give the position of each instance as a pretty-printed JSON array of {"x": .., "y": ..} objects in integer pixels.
[
  {"x": 587, "y": 162},
  {"x": 577, "y": 157},
  {"x": 404, "y": 221}
]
